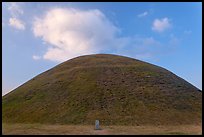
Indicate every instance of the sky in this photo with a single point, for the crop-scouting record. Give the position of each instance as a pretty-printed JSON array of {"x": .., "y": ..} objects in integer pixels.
[{"x": 37, "y": 36}]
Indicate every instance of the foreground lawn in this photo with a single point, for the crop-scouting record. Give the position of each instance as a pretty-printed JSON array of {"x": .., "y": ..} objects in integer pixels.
[{"x": 36, "y": 129}]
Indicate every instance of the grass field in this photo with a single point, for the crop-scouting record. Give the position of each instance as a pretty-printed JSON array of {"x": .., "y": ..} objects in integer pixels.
[{"x": 36, "y": 129}]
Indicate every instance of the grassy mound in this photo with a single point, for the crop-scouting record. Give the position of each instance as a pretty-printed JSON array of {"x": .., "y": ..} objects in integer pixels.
[{"x": 114, "y": 89}]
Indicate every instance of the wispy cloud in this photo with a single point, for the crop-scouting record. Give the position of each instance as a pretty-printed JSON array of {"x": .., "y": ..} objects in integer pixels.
[
  {"x": 35, "y": 57},
  {"x": 143, "y": 14},
  {"x": 160, "y": 25},
  {"x": 16, "y": 11},
  {"x": 16, "y": 23},
  {"x": 143, "y": 48},
  {"x": 174, "y": 41}
]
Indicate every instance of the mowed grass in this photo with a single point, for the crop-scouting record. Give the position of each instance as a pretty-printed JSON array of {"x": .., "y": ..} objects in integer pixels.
[{"x": 38, "y": 129}]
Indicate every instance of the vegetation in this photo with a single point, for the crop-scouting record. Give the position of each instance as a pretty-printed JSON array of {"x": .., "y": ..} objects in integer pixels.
[{"x": 114, "y": 89}]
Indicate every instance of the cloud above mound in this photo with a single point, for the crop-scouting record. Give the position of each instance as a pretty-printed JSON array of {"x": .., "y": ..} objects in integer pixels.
[
  {"x": 16, "y": 11},
  {"x": 16, "y": 23},
  {"x": 161, "y": 25},
  {"x": 73, "y": 32}
]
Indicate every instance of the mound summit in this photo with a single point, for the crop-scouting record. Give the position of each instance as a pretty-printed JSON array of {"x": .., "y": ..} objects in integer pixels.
[{"x": 114, "y": 89}]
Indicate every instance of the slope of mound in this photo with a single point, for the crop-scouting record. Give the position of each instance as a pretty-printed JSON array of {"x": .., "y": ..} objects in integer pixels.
[{"x": 114, "y": 89}]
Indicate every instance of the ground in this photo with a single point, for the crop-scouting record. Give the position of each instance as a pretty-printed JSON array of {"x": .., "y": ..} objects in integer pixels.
[{"x": 37, "y": 129}]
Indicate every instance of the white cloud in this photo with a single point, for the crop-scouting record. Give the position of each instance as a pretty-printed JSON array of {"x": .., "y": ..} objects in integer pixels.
[
  {"x": 143, "y": 14},
  {"x": 36, "y": 57},
  {"x": 16, "y": 23},
  {"x": 70, "y": 33},
  {"x": 161, "y": 25},
  {"x": 73, "y": 32},
  {"x": 15, "y": 9}
]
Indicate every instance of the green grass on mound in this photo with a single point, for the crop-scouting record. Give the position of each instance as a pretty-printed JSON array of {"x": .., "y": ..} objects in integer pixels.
[{"x": 114, "y": 89}]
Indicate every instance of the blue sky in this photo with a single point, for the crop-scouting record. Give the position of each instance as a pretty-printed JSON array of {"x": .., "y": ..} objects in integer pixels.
[{"x": 38, "y": 36}]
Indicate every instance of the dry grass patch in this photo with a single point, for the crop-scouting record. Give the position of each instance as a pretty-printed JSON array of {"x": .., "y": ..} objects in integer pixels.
[{"x": 37, "y": 129}]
